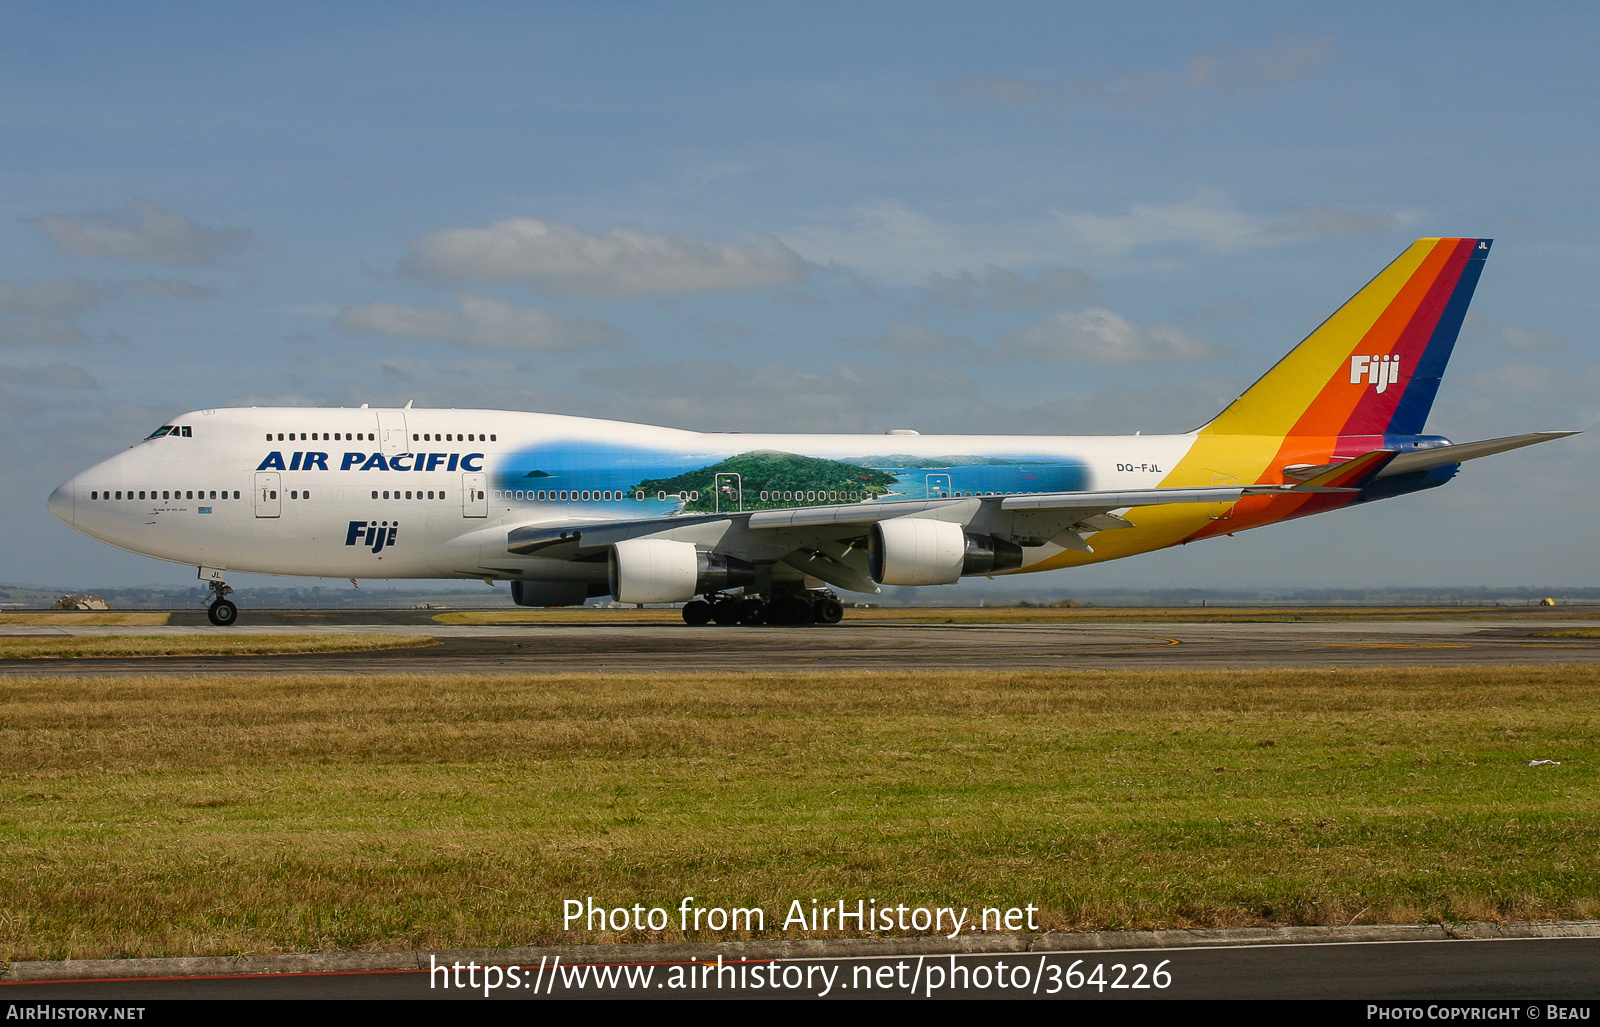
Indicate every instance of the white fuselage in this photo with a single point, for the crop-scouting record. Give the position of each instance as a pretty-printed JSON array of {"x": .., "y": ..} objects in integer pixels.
[{"x": 365, "y": 493}]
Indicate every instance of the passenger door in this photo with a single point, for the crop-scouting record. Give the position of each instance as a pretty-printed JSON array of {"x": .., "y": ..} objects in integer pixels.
[
  {"x": 474, "y": 495},
  {"x": 392, "y": 435},
  {"x": 266, "y": 501}
]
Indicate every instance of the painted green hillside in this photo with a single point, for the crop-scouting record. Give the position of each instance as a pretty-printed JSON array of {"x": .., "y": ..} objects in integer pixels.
[{"x": 773, "y": 472}]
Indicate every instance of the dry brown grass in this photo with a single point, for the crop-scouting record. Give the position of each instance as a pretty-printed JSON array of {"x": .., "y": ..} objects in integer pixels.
[
  {"x": 169, "y": 816},
  {"x": 68, "y": 618},
  {"x": 85, "y": 647}
]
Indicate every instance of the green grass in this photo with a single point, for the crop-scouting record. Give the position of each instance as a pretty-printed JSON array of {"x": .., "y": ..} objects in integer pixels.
[
  {"x": 1570, "y": 633},
  {"x": 25, "y": 648},
  {"x": 175, "y": 816}
]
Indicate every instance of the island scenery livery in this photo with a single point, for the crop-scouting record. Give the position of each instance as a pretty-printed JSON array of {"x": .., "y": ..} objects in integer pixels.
[{"x": 762, "y": 528}]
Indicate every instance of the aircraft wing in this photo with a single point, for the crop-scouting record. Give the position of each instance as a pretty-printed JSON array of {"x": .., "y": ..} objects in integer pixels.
[{"x": 850, "y": 519}]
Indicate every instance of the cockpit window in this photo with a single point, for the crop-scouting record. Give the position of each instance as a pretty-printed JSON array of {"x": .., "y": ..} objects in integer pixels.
[
  {"x": 165, "y": 429},
  {"x": 187, "y": 431}
]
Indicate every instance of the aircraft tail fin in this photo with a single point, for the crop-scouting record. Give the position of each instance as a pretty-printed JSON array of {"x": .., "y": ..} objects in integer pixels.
[{"x": 1374, "y": 367}]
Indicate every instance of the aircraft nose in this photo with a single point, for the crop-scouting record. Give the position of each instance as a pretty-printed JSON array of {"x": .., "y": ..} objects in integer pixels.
[{"x": 61, "y": 502}]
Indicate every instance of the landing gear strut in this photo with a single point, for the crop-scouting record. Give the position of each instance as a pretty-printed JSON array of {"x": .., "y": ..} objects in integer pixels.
[
  {"x": 221, "y": 612},
  {"x": 809, "y": 606}
]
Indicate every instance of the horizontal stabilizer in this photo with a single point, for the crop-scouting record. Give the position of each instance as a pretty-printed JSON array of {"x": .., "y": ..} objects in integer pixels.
[{"x": 1424, "y": 459}]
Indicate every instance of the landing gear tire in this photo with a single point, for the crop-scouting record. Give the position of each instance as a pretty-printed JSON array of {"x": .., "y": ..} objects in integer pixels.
[
  {"x": 222, "y": 613},
  {"x": 827, "y": 611},
  {"x": 725, "y": 611},
  {"x": 752, "y": 611},
  {"x": 789, "y": 610},
  {"x": 697, "y": 613}
]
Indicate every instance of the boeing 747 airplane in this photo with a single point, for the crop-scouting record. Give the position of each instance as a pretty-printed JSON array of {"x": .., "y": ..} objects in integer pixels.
[{"x": 754, "y": 529}]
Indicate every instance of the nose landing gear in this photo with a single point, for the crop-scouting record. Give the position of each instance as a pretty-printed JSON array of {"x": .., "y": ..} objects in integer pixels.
[{"x": 221, "y": 612}]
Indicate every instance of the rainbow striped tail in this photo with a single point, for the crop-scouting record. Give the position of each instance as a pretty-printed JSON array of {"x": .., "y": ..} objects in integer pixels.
[{"x": 1374, "y": 367}]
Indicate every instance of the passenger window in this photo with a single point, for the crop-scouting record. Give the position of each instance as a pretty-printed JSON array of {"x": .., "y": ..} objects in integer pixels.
[
  {"x": 492, "y": 438},
  {"x": 374, "y": 495}
]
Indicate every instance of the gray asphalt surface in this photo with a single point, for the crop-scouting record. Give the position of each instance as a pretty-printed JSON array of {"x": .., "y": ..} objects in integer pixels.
[
  {"x": 546, "y": 648},
  {"x": 1512, "y": 970}
]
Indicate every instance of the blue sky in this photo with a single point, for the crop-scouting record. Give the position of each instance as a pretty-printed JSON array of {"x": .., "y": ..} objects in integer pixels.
[{"x": 953, "y": 217}]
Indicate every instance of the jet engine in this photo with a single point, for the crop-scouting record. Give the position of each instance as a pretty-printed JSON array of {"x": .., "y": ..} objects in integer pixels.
[
  {"x": 916, "y": 551},
  {"x": 658, "y": 570}
]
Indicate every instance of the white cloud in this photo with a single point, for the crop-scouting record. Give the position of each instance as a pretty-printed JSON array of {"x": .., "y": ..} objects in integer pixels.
[
  {"x": 48, "y": 299},
  {"x": 554, "y": 259},
  {"x": 1527, "y": 341},
  {"x": 1524, "y": 397},
  {"x": 1001, "y": 288},
  {"x": 889, "y": 240},
  {"x": 148, "y": 232},
  {"x": 1211, "y": 221},
  {"x": 1229, "y": 309},
  {"x": 49, "y": 331},
  {"x": 893, "y": 242},
  {"x": 480, "y": 323},
  {"x": 49, "y": 376},
  {"x": 1280, "y": 62},
  {"x": 1321, "y": 219},
  {"x": 1102, "y": 336},
  {"x": 169, "y": 288},
  {"x": 722, "y": 396},
  {"x": 1227, "y": 70},
  {"x": 912, "y": 340}
]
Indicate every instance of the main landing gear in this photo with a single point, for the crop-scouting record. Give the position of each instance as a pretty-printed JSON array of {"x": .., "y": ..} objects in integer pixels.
[
  {"x": 222, "y": 612},
  {"x": 811, "y": 606}
]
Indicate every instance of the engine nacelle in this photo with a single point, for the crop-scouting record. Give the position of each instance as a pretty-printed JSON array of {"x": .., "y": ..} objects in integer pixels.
[
  {"x": 915, "y": 551},
  {"x": 658, "y": 570}
]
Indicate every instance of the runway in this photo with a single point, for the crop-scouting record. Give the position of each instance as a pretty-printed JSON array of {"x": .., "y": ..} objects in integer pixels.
[
  {"x": 1504, "y": 971},
  {"x": 875, "y": 645}
]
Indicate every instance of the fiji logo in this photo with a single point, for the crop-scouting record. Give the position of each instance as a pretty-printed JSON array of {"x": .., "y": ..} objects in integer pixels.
[
  {"x": 1382, "y": 371},
  {"x": 375, "y": 536}
]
